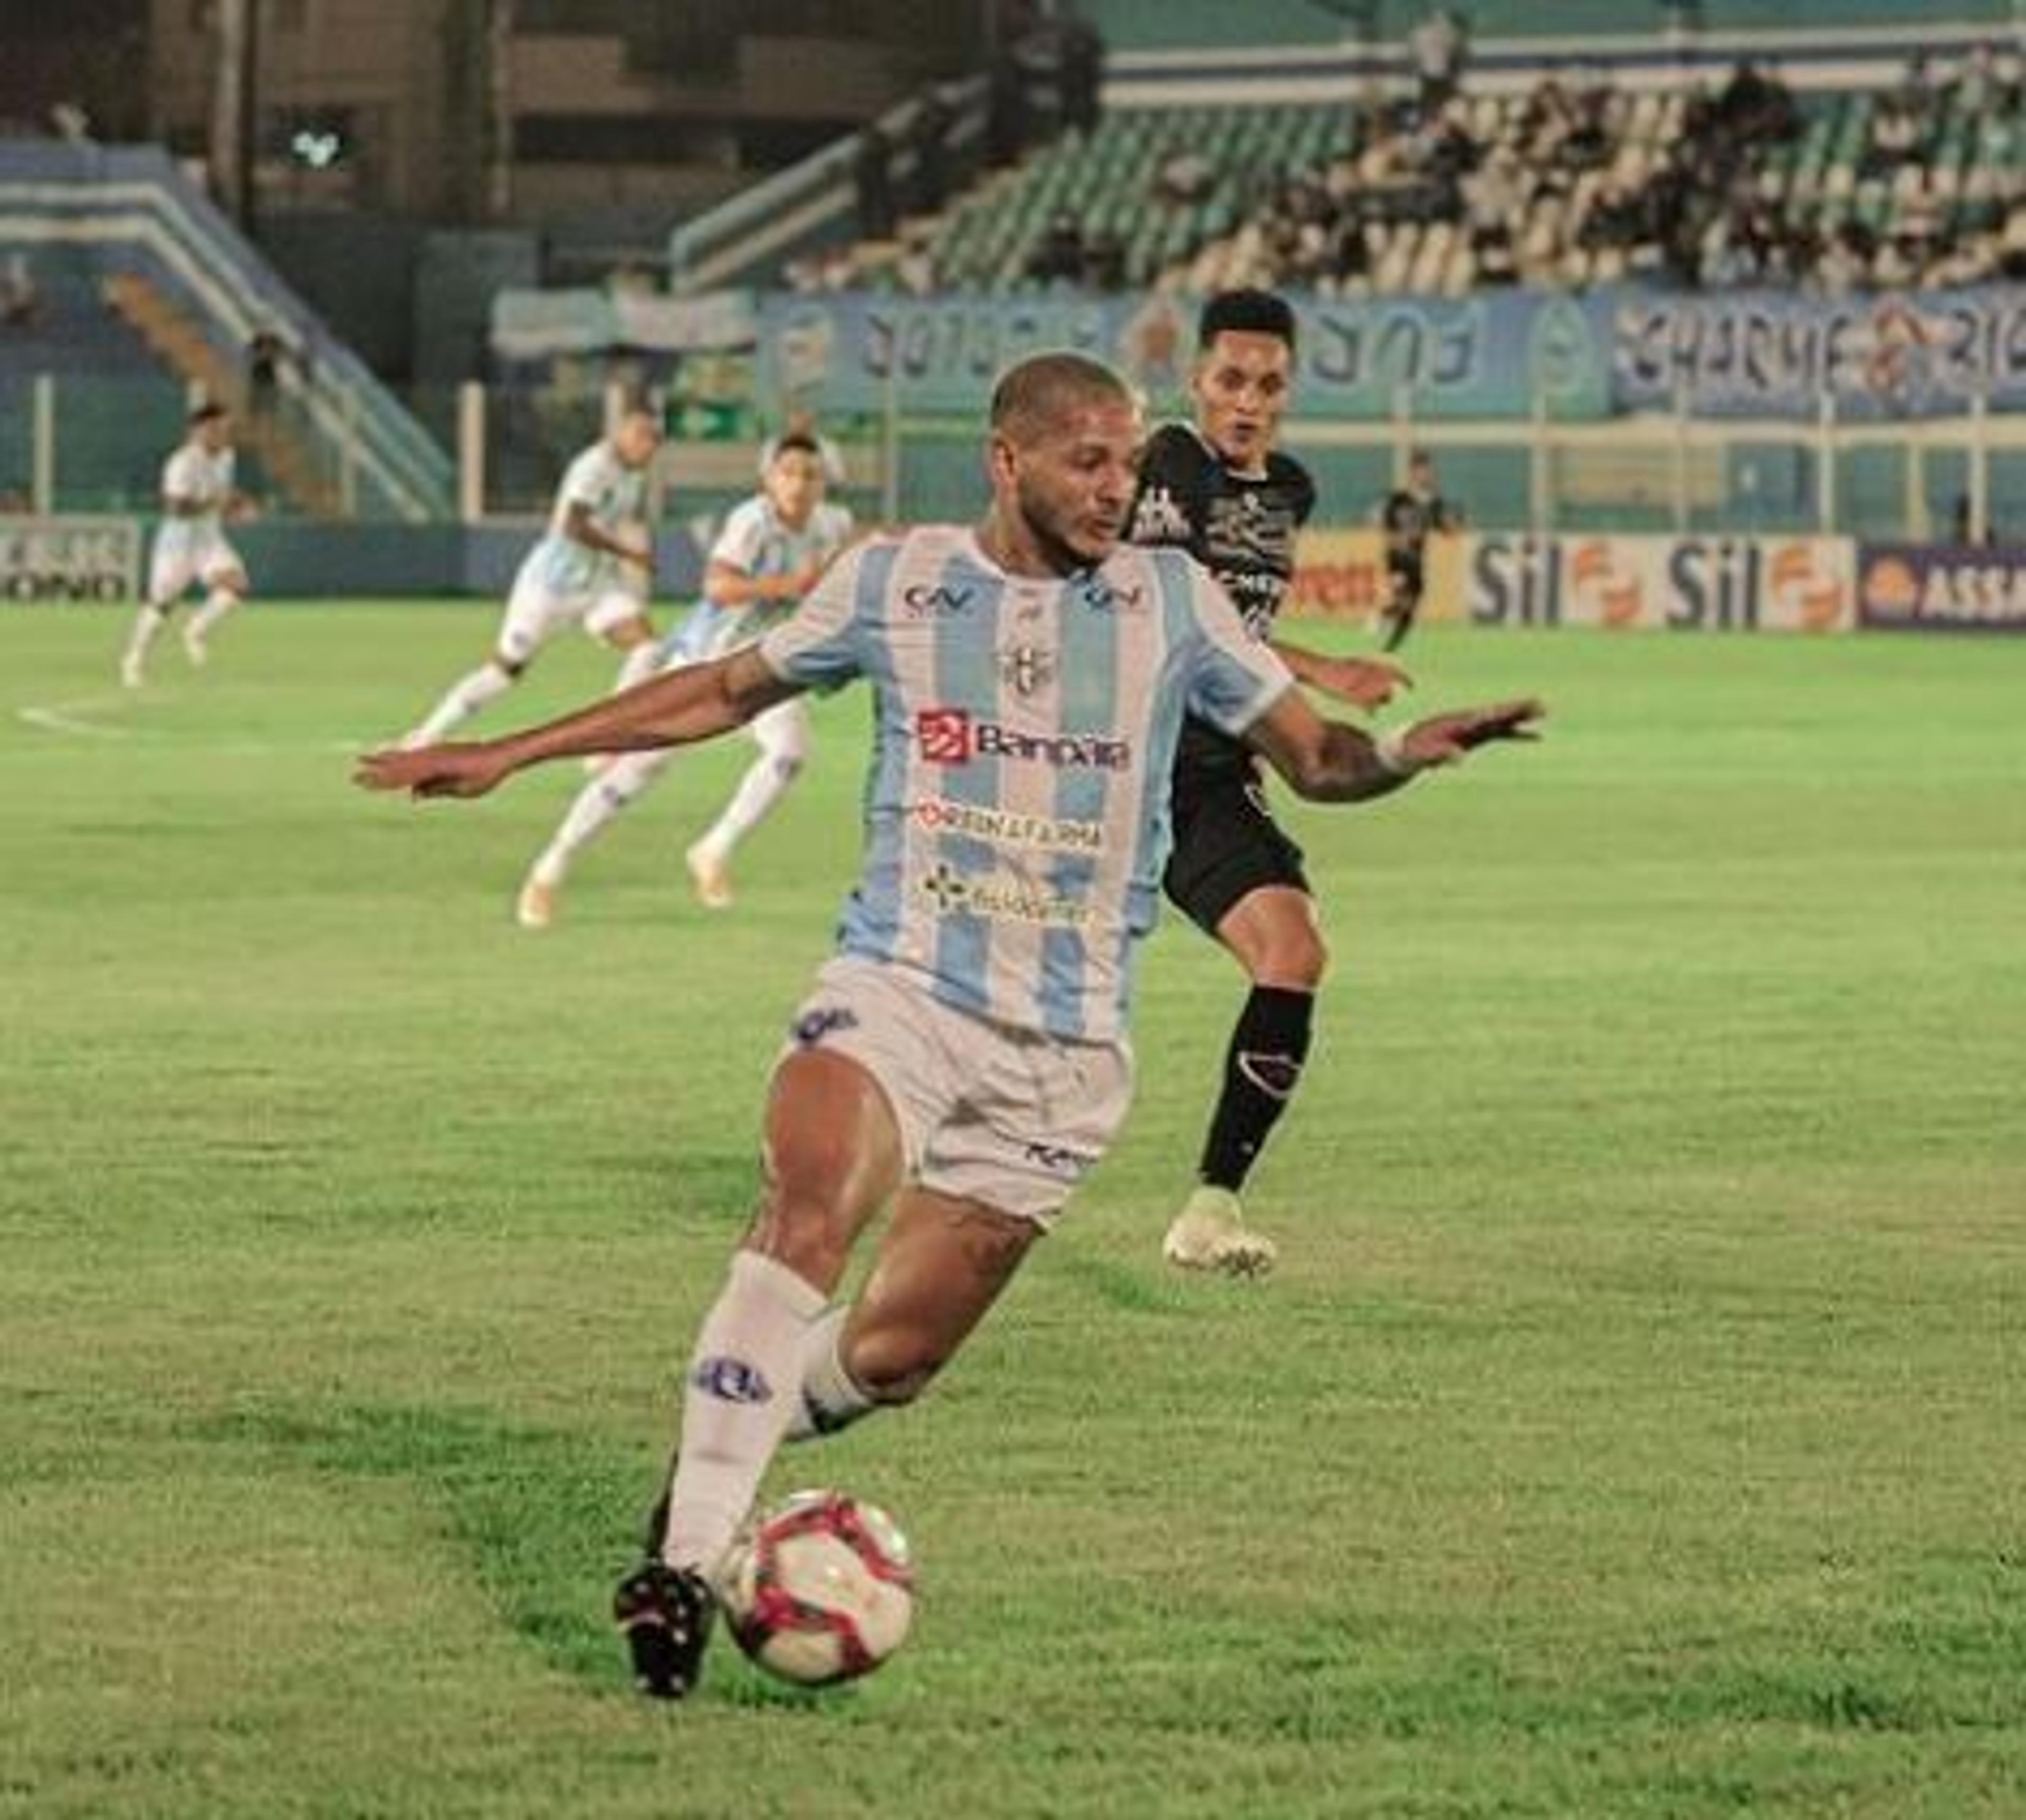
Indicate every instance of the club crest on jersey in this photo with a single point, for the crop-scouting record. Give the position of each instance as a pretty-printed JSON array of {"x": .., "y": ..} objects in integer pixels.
[{"x": 1027, "y": 669}]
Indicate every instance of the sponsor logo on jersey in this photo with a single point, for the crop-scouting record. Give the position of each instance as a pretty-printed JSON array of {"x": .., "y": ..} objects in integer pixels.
[
  {"x": 956, "y": 736},
  {"x": 936, "y": 600},
  {"x": 1160, "y": 518},
  {"x": 1103, "y": 596},
  {"x": 731, "y": 1380},
  {"x": 1006, "y": 828},
  {"x": 955, "y": 895}
]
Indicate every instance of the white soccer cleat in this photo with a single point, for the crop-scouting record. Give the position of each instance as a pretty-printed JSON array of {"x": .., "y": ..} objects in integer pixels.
[
  {"x": 711, "y": 876},
  {"x": 194, "y": 648},
  {"x": 535, "y": 907},
  {"x": 130, "y": 672},
  {"x": 1209, "y": 1233}
]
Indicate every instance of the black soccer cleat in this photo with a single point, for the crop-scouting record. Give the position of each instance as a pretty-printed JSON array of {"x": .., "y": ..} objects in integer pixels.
[{"x": 664, "y": 1614}]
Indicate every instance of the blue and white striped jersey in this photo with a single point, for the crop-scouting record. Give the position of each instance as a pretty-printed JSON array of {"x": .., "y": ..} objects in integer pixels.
[
  {"x": 755, "y": 542},
  {"x": 1016, "y": 813},
  {"x": 613, "y": 493}
]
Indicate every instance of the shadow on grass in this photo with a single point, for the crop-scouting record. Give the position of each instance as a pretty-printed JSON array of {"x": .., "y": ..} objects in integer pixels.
[{"x": 543, "y": 1515}]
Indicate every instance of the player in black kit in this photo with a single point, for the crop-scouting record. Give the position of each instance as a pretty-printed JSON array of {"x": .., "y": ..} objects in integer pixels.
[
  {"x": 1409, "y": 514},
  {"x": 1220, "y": 489}
]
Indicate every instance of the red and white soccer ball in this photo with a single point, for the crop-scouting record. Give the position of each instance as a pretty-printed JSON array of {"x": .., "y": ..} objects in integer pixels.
[{"x": 823, "y": 1591}]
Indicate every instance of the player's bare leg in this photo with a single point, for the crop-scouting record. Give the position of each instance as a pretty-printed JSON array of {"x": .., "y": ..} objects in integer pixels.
[
  {"x": 227, "y": 591},
  {"x": 782, "y": 735},
  {"x": 942, "y": 1263},
  {"x": 640, "y": 657},
  {"x": 1272, "y": 931},
  {"x": 151, "y": 616},
  {"x": 623, "y": 782},
  {"x": 831, "y": 1159}
]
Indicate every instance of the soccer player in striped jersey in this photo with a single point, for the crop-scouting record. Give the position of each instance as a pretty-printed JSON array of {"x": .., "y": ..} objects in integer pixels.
[
  {"x": 772, "y": 548},
  {"x": 964, "y": 1055},
  {"x": 593, "y": 567},
  {"x": 191, "y": 548}
]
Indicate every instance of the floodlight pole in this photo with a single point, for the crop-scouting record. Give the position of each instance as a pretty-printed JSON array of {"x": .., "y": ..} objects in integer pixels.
[{"x": 235, "y": 106}]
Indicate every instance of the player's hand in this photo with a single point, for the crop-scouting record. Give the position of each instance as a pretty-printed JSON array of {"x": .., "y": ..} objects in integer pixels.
[
  {"x": 1363, "y": 682},
  {"x": 1443, "y": 739},
  {"x": 451, "y": 770}
]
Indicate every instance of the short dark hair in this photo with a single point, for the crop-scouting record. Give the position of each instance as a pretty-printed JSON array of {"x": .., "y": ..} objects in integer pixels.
[
  {"x": 1246, "y": 312},
  {"x": 1036, "y": 391},
  {"x": 207, "y": 414},
  {"x": 794, "y": 441}
]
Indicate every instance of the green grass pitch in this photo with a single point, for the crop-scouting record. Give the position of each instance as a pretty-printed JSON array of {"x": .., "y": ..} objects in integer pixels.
[{"x": 1636, "y": 1427}]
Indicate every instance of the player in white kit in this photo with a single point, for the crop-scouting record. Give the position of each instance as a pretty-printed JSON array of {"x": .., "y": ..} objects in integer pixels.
[
  {"x": 772, "y": 548},
  {"x": 190, "y": 547},
  {"x": 964, "y": 1055},
  {"x": 592, "y": 568}
]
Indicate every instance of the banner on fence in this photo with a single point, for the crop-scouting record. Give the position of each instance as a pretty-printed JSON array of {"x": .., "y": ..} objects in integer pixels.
[
  {"x": 1906, "y": 587},
  {"x": 1440, "y": 357},
  {"x": 69, "y": 559},
  {"x": 1342, "y": 575},
  {"x": 1770, "y": 354},
  {"x": 1677, "y": 583}
]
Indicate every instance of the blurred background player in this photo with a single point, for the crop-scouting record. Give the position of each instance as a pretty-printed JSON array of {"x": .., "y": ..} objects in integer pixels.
[
  {"x": 772, "y": 548},
  {"x": 1222, "y": 490},
  {"x": 191, "y": 548},
  {"x": 1409, "y": 514},
  {"x": 593, "y": 567}
]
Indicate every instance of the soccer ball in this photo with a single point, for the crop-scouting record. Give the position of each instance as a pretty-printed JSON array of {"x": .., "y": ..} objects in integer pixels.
[{"x": 821, "y": 1590}]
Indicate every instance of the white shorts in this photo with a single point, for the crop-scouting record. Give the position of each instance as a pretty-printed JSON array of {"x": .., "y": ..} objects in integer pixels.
[
  {"x": 1010, "y": 1118},
  {"x": 535, "y": 613},
  {"x": 180, "y": 560},
  {"x": 781, "y": 732}
]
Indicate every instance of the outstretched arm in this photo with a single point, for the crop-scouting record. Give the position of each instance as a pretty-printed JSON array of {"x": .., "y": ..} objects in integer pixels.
[
  {"x": 1363, "y": 682},
  {"x": 676, "y": 708},
  {"x": 1330, "y": 762}
]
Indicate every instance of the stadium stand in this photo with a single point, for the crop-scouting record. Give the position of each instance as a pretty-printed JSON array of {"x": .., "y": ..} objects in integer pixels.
[
  {"x": 1576, "y": 180},
  {"x": 138, "y": 277}
]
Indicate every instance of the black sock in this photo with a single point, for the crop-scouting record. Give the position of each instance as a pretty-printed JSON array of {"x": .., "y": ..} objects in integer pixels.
[
  {"x": 1401, "y": 623},
  {"x": 1269, "y": 1045}
]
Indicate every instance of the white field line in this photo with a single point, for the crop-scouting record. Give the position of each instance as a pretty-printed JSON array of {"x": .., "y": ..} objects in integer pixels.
[{"x": 72, "y": 718}]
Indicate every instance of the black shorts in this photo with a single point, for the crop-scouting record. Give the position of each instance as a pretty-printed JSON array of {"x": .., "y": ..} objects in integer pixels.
[
  {"x": 1405, "y": 568},
  {"x": 1227, "y": 845}
]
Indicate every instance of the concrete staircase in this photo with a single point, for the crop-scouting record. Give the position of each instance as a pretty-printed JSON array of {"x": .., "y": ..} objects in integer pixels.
[{"x": 287, "y": 452}]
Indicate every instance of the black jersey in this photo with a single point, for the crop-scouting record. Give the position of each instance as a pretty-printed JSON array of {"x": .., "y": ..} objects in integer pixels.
[
  {"x": 1241, "y": 529},
  {"x": 1408, "y": 517}
]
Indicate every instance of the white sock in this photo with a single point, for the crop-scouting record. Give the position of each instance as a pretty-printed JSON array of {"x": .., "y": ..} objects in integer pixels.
[
  {"x": 740, "y": 1391},
  {"x": 465, "y": 697},
  {"x": 147, "y": 623},
  {"x": 220, "y": 602},
  {"x": 641, "y": 662},
  {"x": 830, "y": 1398},
  {"x": 624, "y": 781},
  {"x": 762, "y": 786}
]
